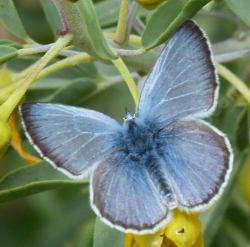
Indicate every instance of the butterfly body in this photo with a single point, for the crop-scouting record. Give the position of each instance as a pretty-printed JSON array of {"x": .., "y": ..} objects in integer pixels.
[
  {"x": 137, "y": 140},
  {"x": 141, "y": 144},
  {"x": 162, "y": 158}
]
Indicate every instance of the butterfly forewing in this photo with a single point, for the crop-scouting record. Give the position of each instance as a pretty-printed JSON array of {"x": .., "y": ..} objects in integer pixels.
[
  {"x": 183, "y": 81},
  {"x": 72, "y": 139}
]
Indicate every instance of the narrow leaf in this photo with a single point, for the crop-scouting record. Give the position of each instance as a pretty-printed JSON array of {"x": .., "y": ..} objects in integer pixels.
[
  {"x": 74, "y": 92},
  {"x": 81, "y": 19},
  {"x": 7, "y": 53},
  {"x": 213, "y": 218},
  {"x": 105, "y": 236},
  {"x": 11, "y": 20},
  {"x": 30, "y": 180},
  {"x": 52, "y": 16},
  {"x": 243, "y": 131},
  {"x": 167, "y": 19},
  {"x": 107, "y": 12},
  {"x": 9, "y": 43},
  {"x": 86, "y": 234},
  {"x": 241, "y": 8},
  {"x": 97, "y": 39}
]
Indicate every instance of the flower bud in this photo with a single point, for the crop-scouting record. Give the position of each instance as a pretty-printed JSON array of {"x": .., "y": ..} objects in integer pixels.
[
  {"x": 5, "y": 137},
  {"x": 149, "y": 4},
  {"x": 184, "y": 230}
]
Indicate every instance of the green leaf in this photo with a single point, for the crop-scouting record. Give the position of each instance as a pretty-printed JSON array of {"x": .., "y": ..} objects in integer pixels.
[
  {"x": 82, "y": 21},
  {"x": 112, "y": 100},
  {"x": 234, "y": 228},
  {"x": 9, "y": 43},
  {"x": 74, "y": 92},
  {"x": 7, "y": 53},
  {"x": 107, "y": 12},
  {"x": 213, "y": 217},
  {"x": 46, "y": 88},
  {"x": 93, "y": 28},
  {"x": 241, "y": 8},
  {"x": 243, "y": 131},
  {"x": 11, "y": 20},
  {"x": 86, "y": 234},
  {"x": 105, "y": 236},
  {"x": 30, "y": 180},
  {"x": 52, "y": 15},
  {"x": 167, "y": 19},
  {"x": 159, "y": 22}
]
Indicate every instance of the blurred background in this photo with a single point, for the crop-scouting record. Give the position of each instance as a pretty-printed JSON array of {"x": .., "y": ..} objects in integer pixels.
[{"x": 62, "y": 217}]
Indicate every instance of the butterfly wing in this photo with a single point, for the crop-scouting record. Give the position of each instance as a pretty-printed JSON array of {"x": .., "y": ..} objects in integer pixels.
[
  {"x": 183, "y": 81},
  {"x": 197, "y": 161},
  {"x": 196, "y": 158},
  {"x": 123, "y": 194},
  {"x": 72, "y": 139}
]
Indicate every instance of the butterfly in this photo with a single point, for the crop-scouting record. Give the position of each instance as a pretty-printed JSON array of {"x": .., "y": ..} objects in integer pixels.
[{"x": 161, "y": 158}]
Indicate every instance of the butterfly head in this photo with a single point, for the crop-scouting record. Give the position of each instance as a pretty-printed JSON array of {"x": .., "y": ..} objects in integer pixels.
[{"x": 128, "y": 116}]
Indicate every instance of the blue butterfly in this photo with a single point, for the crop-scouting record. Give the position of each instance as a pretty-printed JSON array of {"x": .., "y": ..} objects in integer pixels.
[{"x": 162, "y": 158}]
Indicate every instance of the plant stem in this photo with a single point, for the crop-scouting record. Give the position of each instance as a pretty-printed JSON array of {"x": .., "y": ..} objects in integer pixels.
[
  {"x": 235, "y": 81},
  {"x": 36, "y": 49},
  {"x": 120, "y": 36},
  {"x": 65, "y": 63},
  {"x": 227, "y": 57},
  {"x": 131, "y": 18},
  {"x": 119, "y": 64},
  {"x": 139, "y": 26},
  {"x": 68, "y": 53},
  {"x": 10, "y": 104},
  {"x": 6, "y": 91},
  {"x": 133, "y": 39},
  {"x": 127, "y": 53},
  {"x": 62, "y": 64}
]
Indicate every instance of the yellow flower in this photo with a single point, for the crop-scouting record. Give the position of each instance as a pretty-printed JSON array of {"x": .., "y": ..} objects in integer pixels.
[
  {"x": 17, "y": 142},
  {"x": 183, "y": 231},
  {"x": 149, "y": 4},
  {"x": 9, "y": 132}
]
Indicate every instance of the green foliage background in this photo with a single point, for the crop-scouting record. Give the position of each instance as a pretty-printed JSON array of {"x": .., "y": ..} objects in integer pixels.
[{"x": 61, "y": 215}]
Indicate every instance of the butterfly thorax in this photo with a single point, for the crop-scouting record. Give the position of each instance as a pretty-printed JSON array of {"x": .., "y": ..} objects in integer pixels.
[{"x": 138, "y": 140}]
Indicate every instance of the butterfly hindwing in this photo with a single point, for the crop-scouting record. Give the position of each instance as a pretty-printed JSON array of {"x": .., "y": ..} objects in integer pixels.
[
  {"x": 197, "y": 160},
  {"x": 72, "y": 139},
  {"x": 123, "y": 194},
  {"x": 183, "y": 81}
]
